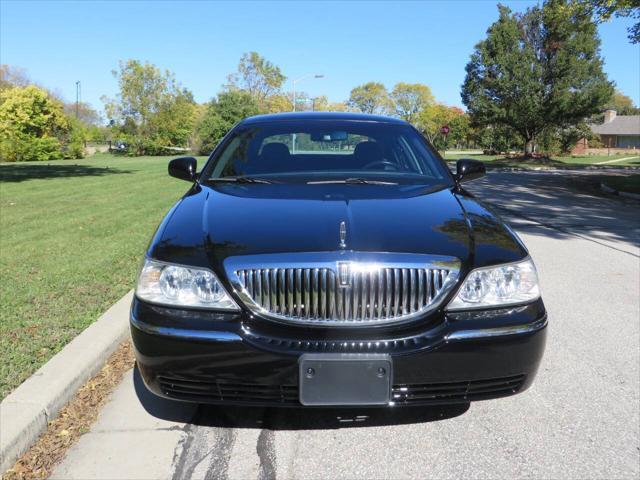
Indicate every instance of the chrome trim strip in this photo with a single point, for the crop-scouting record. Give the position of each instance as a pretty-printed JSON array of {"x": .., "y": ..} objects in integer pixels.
[
  {"x": 497, "y": 332},
  {"x": 214, "y": 335}
]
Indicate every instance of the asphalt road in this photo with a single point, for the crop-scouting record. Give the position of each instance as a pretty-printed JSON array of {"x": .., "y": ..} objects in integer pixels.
[{"x": 580, "y": 419}]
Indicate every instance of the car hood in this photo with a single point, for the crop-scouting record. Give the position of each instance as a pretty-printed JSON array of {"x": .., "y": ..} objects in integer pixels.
[{"x": 212, "y": 223}]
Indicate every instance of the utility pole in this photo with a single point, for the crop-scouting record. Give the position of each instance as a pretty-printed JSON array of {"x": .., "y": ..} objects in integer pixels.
[{"x": 78, "y": 98}]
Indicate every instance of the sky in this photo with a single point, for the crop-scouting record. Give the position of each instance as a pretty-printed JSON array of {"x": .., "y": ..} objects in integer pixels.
[{"x": 61, "y": 42}]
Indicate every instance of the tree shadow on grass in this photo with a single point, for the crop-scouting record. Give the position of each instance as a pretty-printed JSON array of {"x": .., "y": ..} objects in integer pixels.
[{"x": 15, "y": 173}]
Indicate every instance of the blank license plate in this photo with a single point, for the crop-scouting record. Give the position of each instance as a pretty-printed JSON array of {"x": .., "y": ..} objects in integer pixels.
[{"x": 345, "y": 379}]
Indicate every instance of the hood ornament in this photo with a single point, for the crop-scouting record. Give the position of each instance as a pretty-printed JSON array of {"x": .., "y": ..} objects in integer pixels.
[{"x": 343, "y": 235}]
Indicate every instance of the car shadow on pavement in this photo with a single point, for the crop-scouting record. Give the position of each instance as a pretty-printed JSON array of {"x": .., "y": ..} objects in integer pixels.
[{"x": 283, "y": 418}]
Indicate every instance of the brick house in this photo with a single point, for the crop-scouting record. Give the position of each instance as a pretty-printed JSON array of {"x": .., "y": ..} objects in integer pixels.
[{"x": 616, "y": 132}]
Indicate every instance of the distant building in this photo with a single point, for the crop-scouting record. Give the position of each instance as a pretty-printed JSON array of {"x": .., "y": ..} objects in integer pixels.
[{"x": 617, "y": 131}]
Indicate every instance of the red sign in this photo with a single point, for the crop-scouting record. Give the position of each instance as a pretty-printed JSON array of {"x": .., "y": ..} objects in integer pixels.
[{"x": 444, "y": 130}]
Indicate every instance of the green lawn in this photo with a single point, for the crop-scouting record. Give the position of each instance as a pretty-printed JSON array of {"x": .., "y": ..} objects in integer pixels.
[
  {"x": 72, "y": 235},
  {"x": 631, "y": 159}
]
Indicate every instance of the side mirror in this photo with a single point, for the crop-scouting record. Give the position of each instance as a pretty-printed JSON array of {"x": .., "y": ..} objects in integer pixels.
[
  {"x": 467, "y": 169},
  {"x": 183, "y": 168}
]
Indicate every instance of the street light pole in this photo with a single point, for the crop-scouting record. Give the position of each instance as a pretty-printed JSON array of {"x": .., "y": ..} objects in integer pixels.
[{"x": 293, "y": 82}]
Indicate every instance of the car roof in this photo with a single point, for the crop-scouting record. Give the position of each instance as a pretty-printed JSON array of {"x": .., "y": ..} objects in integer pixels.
[{"x": 296, "y": 116}]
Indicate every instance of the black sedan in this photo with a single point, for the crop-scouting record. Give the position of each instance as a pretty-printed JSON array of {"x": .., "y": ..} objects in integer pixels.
[{"x": 333, "y": 259}]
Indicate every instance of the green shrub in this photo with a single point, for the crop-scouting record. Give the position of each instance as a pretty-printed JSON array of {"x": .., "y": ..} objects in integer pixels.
[
  {"x": 31, "y": 125},
  {"x": 25, "y": 148}
]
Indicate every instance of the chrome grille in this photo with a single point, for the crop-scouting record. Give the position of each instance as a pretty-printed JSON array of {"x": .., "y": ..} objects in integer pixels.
[{"x": 376, "y": 292}]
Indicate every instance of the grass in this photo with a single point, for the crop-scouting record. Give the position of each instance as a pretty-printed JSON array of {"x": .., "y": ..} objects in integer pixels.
[
  {"x": 628, "y": 183},
  {"x": 72, "y": 235},
  {"x": 499, "y": 161}
]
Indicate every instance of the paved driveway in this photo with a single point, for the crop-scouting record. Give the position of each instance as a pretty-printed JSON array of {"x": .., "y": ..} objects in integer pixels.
[{"x": 579, "y": 420}]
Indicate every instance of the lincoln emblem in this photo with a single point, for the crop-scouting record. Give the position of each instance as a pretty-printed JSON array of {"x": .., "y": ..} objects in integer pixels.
[{"x": 343, "y": 235}]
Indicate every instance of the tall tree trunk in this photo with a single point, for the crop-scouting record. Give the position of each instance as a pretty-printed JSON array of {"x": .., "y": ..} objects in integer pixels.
[{"x": 528, "y": 147}]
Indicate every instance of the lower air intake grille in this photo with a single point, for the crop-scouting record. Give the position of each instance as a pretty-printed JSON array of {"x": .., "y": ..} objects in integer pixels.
[
  {"x": 199, "y": 391},
  {"x": 456, "y": 391},
  {"x": 287, "y": 395}
]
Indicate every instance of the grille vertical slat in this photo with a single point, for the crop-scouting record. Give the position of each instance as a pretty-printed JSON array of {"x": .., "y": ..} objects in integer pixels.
[
  {"x": 306, "y": 291},
  {"x": 339, "y": 299},
  {"x": 273, "y": 288},
  {"x": 323, "y": 293},
  {"x": 387, "y": 291},
  {"x": 282, "y": 291},
  {"x": 357, "y": 296},
  {"x": 266, "y": 299},
  {"x": 420, "y": 298},
  {"x": 405, "y": 291},
  {"x": 298, "y": 293},
  {"x": 290, "y": 291},
  {"x": 258, "y": 292},
  {"x": 372, "y": 298},
  {"x": 347, "y": 302},
  {"x": 396, "y": 291},
  {"x": 249, "y": 283},
  {"x": 316, "y": 294}
]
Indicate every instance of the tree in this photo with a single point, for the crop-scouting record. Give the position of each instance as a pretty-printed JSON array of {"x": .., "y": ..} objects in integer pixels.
[
  {"x": 603, "y": 10},
  {"x": 537, "y": 70},
  {"x": 322, "y": 104},
  {"x": 258, "y": 76},
  {"x": 86, "y": 114},
  {"x": 175, "y": 120},
  {"x": 11, "y": 76},
  {"x": 410, "y": 99},
  {"x": 278, "y": 103},
  {"x": 433, "y": 117},
  {"x": 151, "y": 110},
  {"x": 622, "y": 104},
  {"x": 31, "y": 125},
  {"x": 372, "y": 97},
  {"x": 562, "y": 140},
  {"x": 495, "y": 139},
  {"x": 222, "y": 114}
]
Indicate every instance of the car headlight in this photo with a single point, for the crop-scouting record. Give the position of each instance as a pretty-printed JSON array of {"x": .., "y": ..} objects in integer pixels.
[
  {"x": 496, "y": 286},
  {"x": 167, "y": 284}
]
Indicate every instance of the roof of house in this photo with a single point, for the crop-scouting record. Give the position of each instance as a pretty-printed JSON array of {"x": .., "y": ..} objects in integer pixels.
[{"x": 620, "y": 125}]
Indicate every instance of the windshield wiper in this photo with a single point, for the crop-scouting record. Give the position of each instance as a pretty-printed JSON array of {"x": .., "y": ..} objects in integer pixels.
[
  {"x": 239, "y": 180},
  {"x": 354, "y": 181}
]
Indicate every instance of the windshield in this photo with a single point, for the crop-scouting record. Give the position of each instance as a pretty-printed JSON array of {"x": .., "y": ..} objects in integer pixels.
[{"x": 321, "y": 151}]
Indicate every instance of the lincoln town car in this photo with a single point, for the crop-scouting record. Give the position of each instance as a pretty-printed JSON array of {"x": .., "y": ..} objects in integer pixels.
[{"x": 334, "y": 259}]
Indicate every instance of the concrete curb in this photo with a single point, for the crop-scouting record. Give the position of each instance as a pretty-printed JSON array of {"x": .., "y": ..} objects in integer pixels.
[
  {"x": 606, "y": 188},
  {"x": 25, "y": 413}
]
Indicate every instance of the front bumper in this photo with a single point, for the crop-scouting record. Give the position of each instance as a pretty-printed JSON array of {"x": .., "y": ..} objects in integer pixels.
[{"x": 239, "y": 359}]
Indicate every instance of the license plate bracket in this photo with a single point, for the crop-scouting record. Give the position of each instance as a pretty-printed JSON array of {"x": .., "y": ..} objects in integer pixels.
[{"x": 333, "y": 379}]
